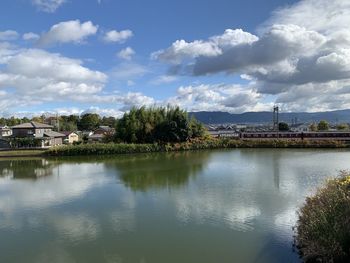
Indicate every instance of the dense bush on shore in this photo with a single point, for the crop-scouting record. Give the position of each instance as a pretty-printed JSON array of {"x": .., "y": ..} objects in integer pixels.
[
  {"x": 323, "y": 227},
  {"x": 194, "y": 144},
  {"x": 163, "y": 124}
]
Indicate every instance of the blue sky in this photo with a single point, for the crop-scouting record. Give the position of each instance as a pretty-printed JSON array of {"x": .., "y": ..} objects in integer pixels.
[{"x": 73, "y": 56}]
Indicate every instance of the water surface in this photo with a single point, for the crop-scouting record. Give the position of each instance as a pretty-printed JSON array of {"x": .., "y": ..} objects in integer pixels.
[{"x": 209, "y": 206}]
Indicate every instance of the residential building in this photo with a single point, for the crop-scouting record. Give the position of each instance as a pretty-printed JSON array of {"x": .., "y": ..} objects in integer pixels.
[
  {"x": 40, "y": 131},
  {"x": 5, "y": 131},
  {"x": 71, "y": 137}
]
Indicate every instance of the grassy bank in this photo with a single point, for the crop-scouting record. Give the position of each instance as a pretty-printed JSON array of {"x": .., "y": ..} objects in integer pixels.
[
  {"x": 323, "y": 227},
  {"x": 21, "y": 153},
  {"x": 111, "y": 148}
]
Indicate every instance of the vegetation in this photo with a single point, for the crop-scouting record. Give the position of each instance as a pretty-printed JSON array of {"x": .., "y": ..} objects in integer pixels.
[
  {"x": 343, "y": 127},
  {"x": 323, "y": 228},
  {"x": 194, "y": 144},
  {"x": 323, "y": 126},
  {"x": 150, "y": 125},
  {"x": 313, "y": 127},
  {"x": 282, "y": 126}
]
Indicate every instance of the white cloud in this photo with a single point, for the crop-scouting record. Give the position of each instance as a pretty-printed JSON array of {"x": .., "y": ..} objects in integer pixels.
[
  {"x": 8, "y": 35},
  {"x": 181, "y": 49},
  {"x": 48, "y": 6},
  {"x": 117, "y": 37},
  {"x": 229, "y": 98},
  {"x": 36, "y": 76},
  {"x": 126, "y": 53},
  {"x": 301, "y": 47},
  {"x": 164, "y": 79},
  {"x": 30, "y": 36},
  {"x": 128, "y": 71},
  {"x": 67, "y": 32}
]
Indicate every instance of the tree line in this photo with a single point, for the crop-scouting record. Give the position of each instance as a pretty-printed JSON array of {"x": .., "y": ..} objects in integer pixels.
[{"x": 163, "y": 124}]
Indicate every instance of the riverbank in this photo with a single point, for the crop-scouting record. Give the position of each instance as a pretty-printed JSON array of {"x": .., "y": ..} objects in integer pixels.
[
  {"x": 122, "y": 148},
  {"x": 111, "y": 148}
]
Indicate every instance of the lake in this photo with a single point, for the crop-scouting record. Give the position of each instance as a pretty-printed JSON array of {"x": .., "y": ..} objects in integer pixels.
[{"x": 207, "y": 206}]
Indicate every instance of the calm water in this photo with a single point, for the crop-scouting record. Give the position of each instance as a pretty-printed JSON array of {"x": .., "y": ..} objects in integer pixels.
[{"x": 211, "y": 206}]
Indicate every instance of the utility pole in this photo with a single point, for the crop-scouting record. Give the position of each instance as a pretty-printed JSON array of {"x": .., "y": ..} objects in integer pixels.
[{"x": 275, "y": 119}]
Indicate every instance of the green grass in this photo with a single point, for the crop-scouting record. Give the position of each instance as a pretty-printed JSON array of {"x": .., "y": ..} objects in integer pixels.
[{"x": 197, "y": 144}]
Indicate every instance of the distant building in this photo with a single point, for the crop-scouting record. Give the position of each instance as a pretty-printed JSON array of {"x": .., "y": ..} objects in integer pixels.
[
  {"x": 302, "y": 127},
  {"x": 100, "y": 133},
  {"x": 40, "y": 131},
  {"x": 70, "y": 137},
  {"x": 5, "y": 131}
]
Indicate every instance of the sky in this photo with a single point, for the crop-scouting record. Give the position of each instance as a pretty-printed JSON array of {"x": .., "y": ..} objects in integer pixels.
[{"x": 106, "y": 56}]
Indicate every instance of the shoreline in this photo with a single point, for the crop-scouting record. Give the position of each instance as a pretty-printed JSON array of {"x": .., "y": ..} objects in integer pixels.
[{"x": 207, "y": 144}]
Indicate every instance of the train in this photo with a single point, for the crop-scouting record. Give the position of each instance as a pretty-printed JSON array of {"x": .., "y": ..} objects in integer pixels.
[{"x": 320, "y": 135}]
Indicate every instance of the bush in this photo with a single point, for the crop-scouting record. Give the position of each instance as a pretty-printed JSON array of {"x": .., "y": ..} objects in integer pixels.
[{"x": 323, "y": 227}]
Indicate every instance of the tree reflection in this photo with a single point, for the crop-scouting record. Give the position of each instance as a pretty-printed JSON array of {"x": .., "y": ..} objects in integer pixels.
[
  {"x": 164, "y": 170},
  {"x": 26, "y": 168}
]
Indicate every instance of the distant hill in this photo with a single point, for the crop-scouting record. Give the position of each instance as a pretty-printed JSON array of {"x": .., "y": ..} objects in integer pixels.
[{"x": 217, "y": 117}]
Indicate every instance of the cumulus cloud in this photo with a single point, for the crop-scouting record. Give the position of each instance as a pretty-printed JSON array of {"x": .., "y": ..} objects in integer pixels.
[
  {"x": 36, "y": 76},
  {"x": 301, "y": 47},
  {"x": 126, "y": 53},
  {"x": 220, "y": 97},
  {"x": 114, "y": 36},
  {"x": 30, "y": 36},
  {"x": 66, "y": 32},
  {"x": 8, "y": 35},
  {"x": 49, "y": 6}
]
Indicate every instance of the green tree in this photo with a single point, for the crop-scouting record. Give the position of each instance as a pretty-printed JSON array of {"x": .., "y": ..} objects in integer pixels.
[
  {"x": 88, "y": 122},
  {"x": 282, "y": 126},
  {"x": 148, "y": 125},
  {"x": 323, "y": 126},
  {"x": 313, "y": 127},
  {"x": 343, "y": 127}
]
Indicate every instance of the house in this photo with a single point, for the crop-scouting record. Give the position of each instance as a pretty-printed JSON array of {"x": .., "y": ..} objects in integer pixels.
[
  {"x": 105, "y": 130},
  {"x": 5, "y": 131},
  {"x": 70, "y": 137},
  {"x": 36, "y": 130},
  {"x": 100, "y": 133},
  {"x": 300, "y": 127}
]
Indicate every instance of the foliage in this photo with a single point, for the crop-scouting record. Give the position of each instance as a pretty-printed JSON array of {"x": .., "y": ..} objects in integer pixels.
[
  {"x": 26, "y": 142},
  {"x": 193, "y": 144},
  {"x": 282, "y": 126},
  {"x": 323, "y": 126},
  {"x": 313, "y": 127},
  {"x": 323, "y": 227},
  {"x": 149, "y": 125},
  {"x": 88, "y": 122},
  {"x": 343, "y": 127}
]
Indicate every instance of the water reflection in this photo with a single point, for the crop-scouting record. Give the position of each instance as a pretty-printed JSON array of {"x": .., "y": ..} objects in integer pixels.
[
  {"x": 217, "y": 206},
  {"x": 170, "y": 170},
  {"x": 26, "y": 168}
]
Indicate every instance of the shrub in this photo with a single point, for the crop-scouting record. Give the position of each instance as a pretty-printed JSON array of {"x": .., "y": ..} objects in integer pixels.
[{"x": 323, "y": 227}]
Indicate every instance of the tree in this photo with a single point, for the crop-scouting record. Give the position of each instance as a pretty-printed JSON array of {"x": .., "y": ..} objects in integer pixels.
[
  {"x": 149, "y": 125},
  {"x": 89, "y": 122},
  {"x": 313, "y": 127},
  {"x": 323, "y": 126},
  {"x": 343, "y": 127},
  {"x": 282, "y": 126}
]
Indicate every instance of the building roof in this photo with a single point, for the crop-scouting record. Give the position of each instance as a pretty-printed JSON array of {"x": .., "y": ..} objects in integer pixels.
[
  {"x": 31, "y": 125},
  {"x": 105, "y": 128},
  {"x": 68, "y": 132},
  {"x": 53, "y": 134}
]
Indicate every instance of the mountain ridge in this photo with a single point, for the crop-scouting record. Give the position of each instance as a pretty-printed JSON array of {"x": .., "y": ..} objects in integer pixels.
[{"x": 219, "y": 117}]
